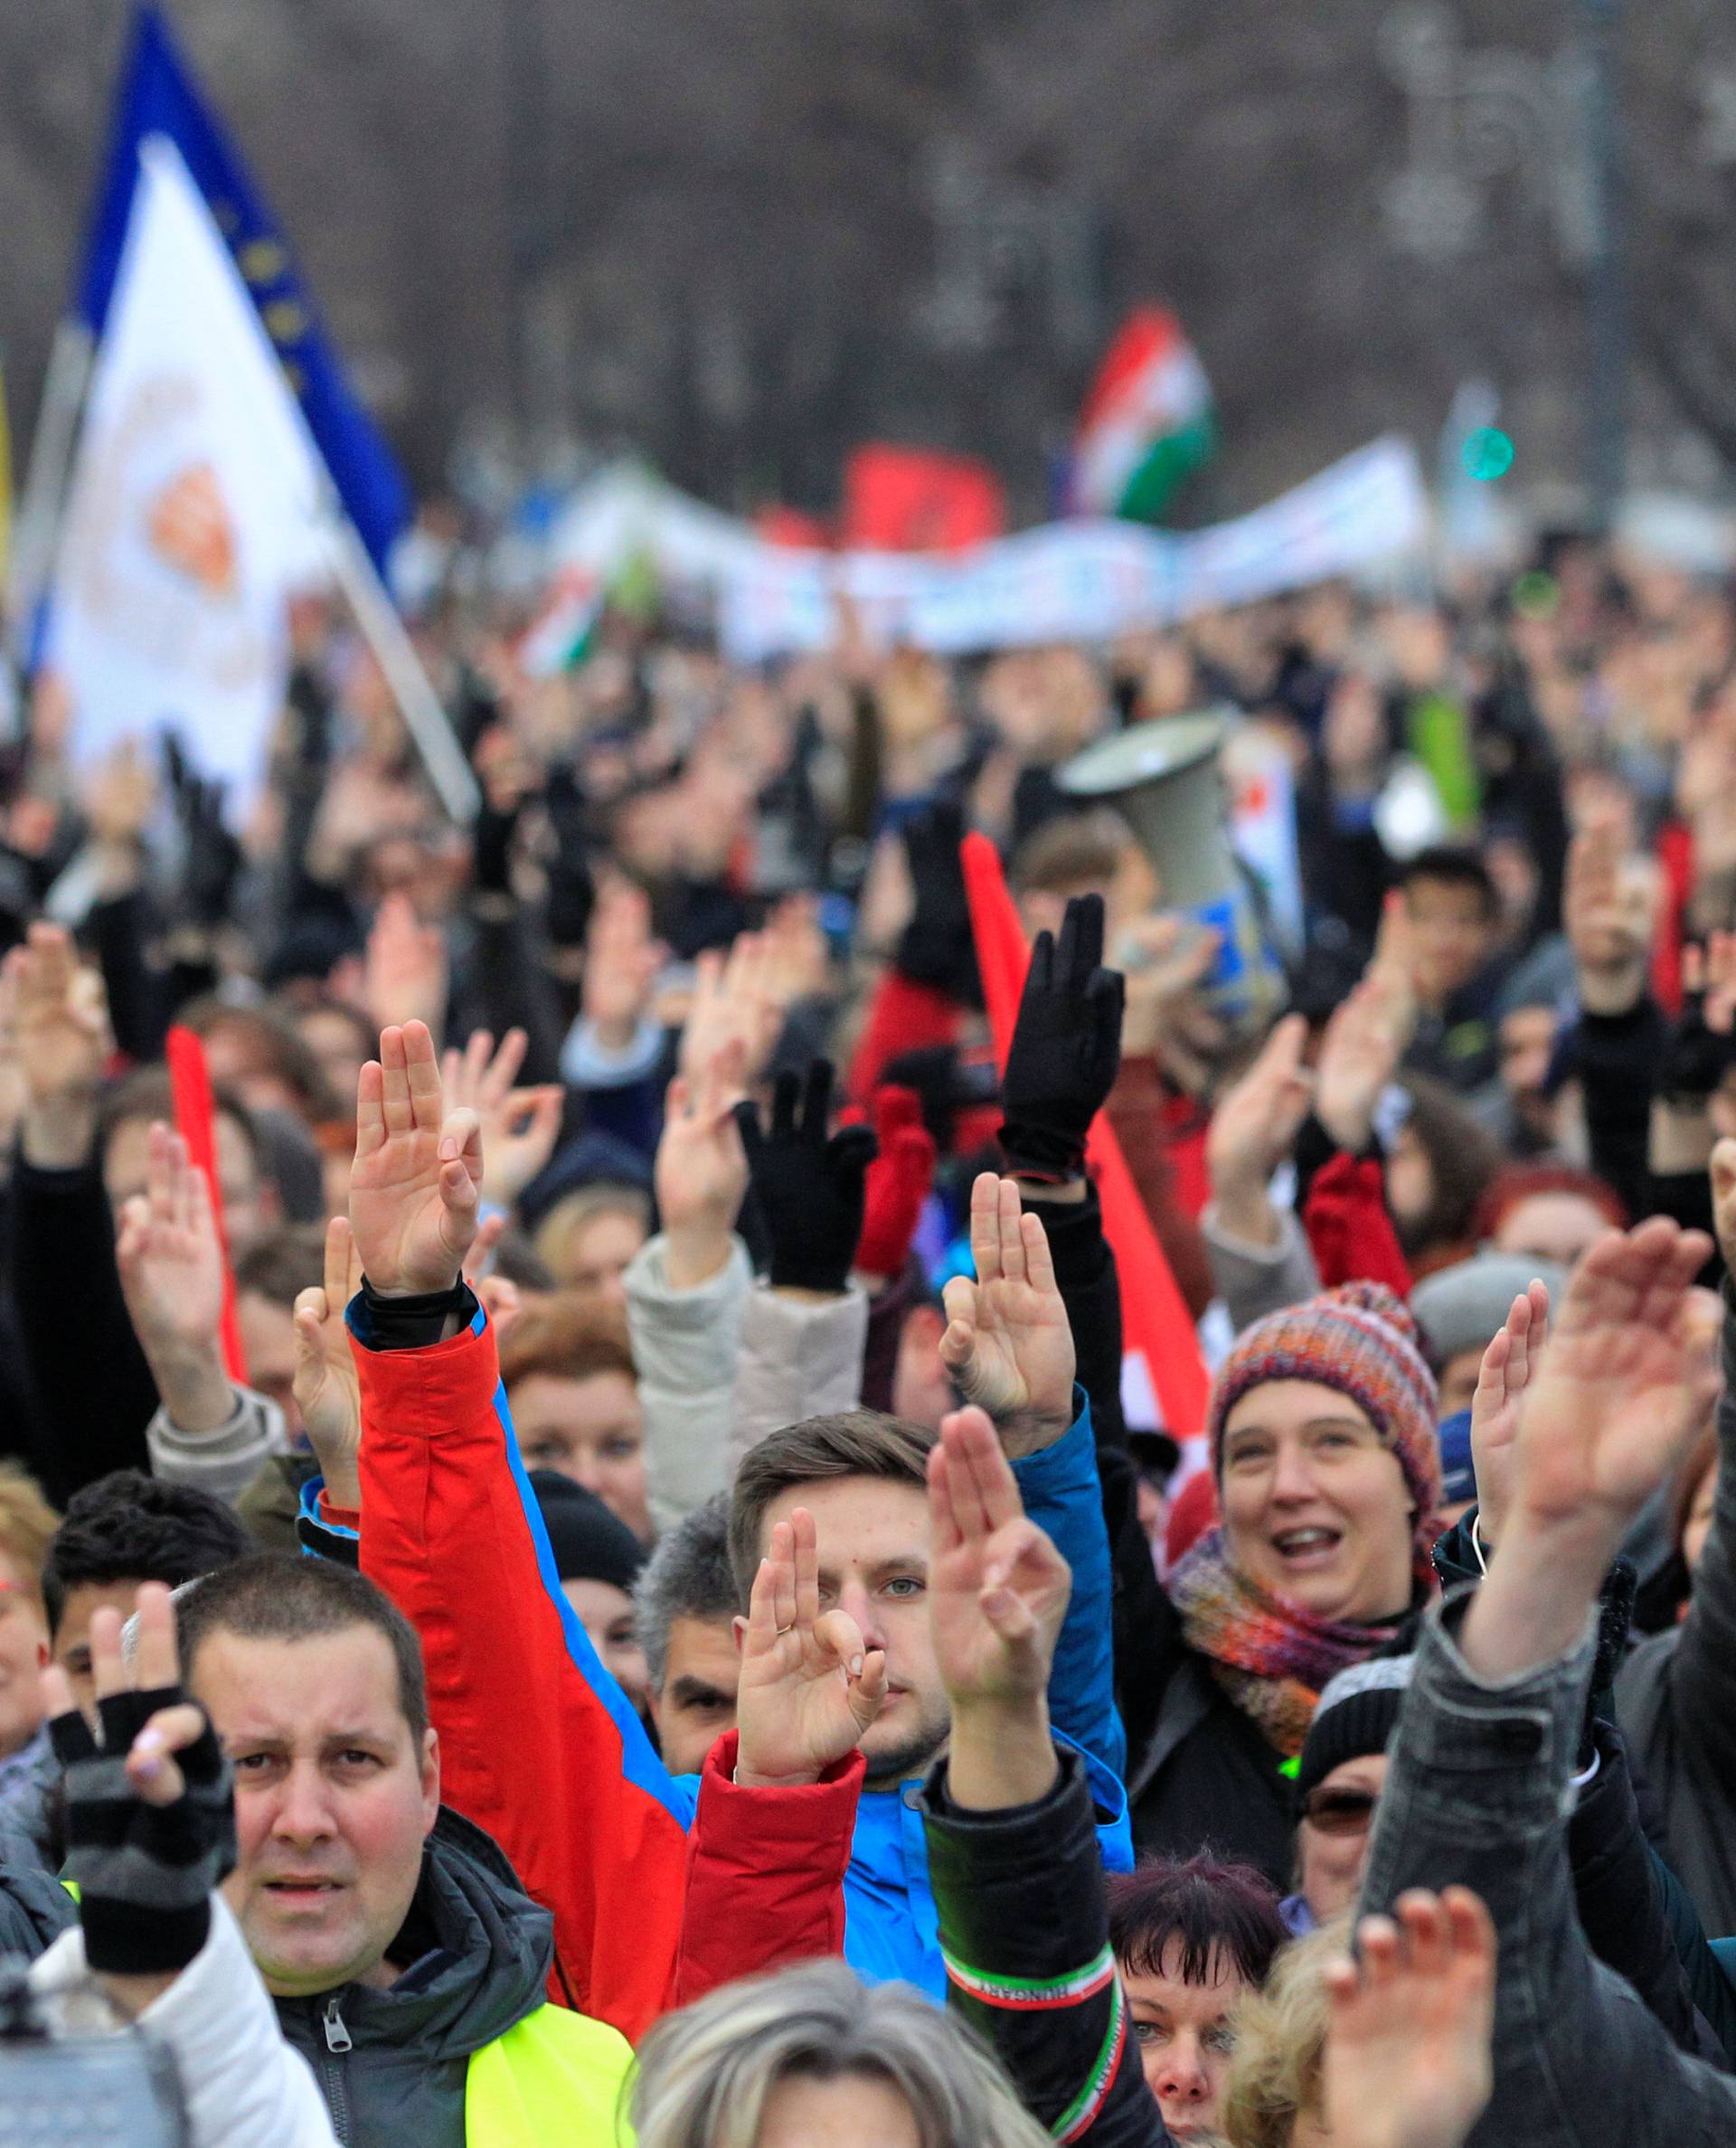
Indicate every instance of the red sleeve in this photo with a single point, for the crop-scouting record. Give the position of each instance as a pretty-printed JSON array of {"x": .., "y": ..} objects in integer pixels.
[
  {"x": 1349, "y": 1229},
  {"x": 901, "y": 1016},
  {"x": 538, "y": 1745},
  {"x": 765, "y": 1874}
]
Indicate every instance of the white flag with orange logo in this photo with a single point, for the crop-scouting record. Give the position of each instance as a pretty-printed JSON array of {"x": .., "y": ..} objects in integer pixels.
[{"x": 195, "y": 503}]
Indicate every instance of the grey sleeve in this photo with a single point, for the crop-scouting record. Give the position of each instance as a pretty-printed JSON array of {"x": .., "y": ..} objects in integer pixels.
[
  {"x": 224, "y": 1462},
  {"x": 800, "y": 1357},
  {"x": 1256, "y": 1280},
  {"x": 685, "y": 1345},
  {"x": 1476, "y": 1795}
]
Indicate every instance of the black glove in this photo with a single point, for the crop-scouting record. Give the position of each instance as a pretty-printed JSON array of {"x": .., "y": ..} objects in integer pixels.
[
  {"x": 936, "y": 948},
  {"x": 213, "y": 857},
  {"x": 1066, "y": 1047},
  {"x": 808, "y": 1186},
  {"x": 1697, "y": 1058},
  {"x": 144, "y": 1873}
]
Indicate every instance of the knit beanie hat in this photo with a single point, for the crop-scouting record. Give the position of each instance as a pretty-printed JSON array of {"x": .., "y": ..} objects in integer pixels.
[
  {"x": 1357, "y": 1714},
  {"x": 590, "y": 1543},
  {"x": 1459, "y": 1309},
  {"x": 1360, "y": 1339}
]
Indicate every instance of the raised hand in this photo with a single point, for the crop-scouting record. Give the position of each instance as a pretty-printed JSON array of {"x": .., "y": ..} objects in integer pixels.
[
  {"x": 1627, "y": 1379},
  {"x": 621, "y": 964},
  {"x": 997, "y": 1594},
  {"x": 1509, "y": 1364},
  {"x": 148, "y": 1841},
  {"x": 1408, "y": 2061},
  {"x": 1164, "y": 959},
  {"x": 171, "y": 1264},
  {"x": 735, "y": 1004},
  {"x": 808, "y": 1688},
  {"x": 701, "y": 1169},
  {"x": 1066, "y": 1047},
  {"x": 519, "y": 1126},
  {"x": 808, "y": 1182},
  {"x": 1607, "y": 913},
  {"x": 1007, "y": 1341},
  {"x": 1723, "y": 1199},
  {"x": 416, "y": 1180},
  {"x": 1254, "y": 1128},
  {"x": 63, "y": 1039},
  {"x": 1368, "y": 1035},
  {"x": 327, "y": 1390},
  {"x": 407, "y": 967}
]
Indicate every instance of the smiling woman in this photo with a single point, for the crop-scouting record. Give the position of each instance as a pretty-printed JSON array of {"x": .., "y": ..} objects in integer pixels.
[{"x": 1321, "y": 1425}]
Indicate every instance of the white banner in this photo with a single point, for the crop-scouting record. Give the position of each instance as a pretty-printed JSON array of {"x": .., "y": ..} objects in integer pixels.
[
  {"x": 194, "y": 506},
  {"x": 1068, "y": 581}
]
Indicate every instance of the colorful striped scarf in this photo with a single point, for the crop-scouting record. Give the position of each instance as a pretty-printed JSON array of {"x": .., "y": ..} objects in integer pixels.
[{"x": 1270, "y": 1655}]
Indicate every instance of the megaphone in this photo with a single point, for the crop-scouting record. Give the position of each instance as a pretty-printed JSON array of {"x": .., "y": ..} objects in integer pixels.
[{"x": 1165, "y": 779}]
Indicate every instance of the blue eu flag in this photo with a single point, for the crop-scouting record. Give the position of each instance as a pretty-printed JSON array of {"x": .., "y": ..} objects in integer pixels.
[{"x": 158, "y": 95}]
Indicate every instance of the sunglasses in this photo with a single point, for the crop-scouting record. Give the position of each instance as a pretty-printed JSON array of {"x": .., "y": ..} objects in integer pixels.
[{"x": 1340, "y": 1812}]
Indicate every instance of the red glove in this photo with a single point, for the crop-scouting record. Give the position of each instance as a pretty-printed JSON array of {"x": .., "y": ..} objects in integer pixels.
[{"x": 899, "y": 1180}]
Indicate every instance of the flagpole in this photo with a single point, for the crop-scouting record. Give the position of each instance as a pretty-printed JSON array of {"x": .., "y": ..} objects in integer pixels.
[
  {"x": 383, "y": 631},
  {"x": 36, "y": 530}
]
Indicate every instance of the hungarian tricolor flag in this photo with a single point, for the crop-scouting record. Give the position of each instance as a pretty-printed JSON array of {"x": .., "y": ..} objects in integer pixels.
[{"x": 1147, "y": 422}]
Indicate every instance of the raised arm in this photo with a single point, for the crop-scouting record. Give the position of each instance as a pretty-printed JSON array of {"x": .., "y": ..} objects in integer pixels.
[
  {"x": 1491, "y": 1727},
  {"x": 539, "y": 1744},
  {"x": 1013, "y": 1857}
]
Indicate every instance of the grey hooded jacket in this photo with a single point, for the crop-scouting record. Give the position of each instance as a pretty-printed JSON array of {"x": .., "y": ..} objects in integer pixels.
[{"x": 1477, "y": 1794}]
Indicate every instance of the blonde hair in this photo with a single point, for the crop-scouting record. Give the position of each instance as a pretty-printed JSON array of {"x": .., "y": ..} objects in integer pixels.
[
  {"x": 27, "y": 1522},
  {"x": 705, "y": 2075},
  {"x": 557, "y": 1235},
  {"x": 1274, "y": 2073}
]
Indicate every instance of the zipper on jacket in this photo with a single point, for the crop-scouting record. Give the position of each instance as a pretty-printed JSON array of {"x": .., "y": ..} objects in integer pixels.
[{"x": 333, "y": 2078}]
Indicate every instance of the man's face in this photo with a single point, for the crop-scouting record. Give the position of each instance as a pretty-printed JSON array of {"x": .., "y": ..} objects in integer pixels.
[
  {"x": 334, "y": 1799},
  {"x": 23, "y": 1651},
  {"x": 1454, "y": 935},
  {"x": 1527, "y": 1045},
  {"x": 872, "y": 1540},
  {"x": 269, "y": 1345},
  {"x": 71, "y": 1645},
  {"x": 249, "y": 1206},
  {"x": 1333, "y": 1847},
  {"x": 697, "y": 1703}
]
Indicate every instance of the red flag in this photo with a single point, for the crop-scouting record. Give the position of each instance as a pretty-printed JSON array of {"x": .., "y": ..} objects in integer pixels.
[
  {"x": 195, "y": 1121},
  {"x": 908, "y": 500},
  {"x": 1154, "y": 1317}
]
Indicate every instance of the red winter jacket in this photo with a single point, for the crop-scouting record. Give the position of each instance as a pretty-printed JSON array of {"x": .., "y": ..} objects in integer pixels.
[{"x": 537, "y": 1743}]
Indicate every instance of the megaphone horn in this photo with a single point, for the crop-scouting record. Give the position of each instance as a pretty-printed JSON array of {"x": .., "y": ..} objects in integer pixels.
[{"x": 1162, "y": 778}]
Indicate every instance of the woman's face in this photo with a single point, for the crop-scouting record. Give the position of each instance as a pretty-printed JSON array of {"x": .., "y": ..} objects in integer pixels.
[
  {"x": 1551, "y": 1226},
  {"x": 1410, "y": 1177},
  {"x": 1314, "y": 1506},
  {"x": 591, "y": 1430},
  {"x": 1333, "y": 1839},
  {"x": 851, "y": 2111},
  {"x": 606, "y": 1613},
  {"x": 1185, "y": 2037}
]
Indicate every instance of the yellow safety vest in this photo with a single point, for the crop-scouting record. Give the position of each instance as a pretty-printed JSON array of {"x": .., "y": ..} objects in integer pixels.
[{"x": 554, "y": 2079}]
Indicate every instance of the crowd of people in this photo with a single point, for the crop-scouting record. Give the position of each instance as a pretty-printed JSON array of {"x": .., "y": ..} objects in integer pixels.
[{"x": 585, "y": 1554}]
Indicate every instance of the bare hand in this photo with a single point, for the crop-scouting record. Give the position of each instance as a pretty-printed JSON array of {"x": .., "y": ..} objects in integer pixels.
[
  {"x": 1509, "y": 1364},
  {"x": 808, "y": 1688},
  {"x": 734, "y": 1003},
  {"x": 701, "y": 1169},
  {"x": 1008, "y": 1342},
  {"x": 1164, "y": 959},
  {"x": 1368, "y": 1035},
  {"x": 416, "y": 1180},
  {"x": 1409, "y": 2060},
  {"x": 63, "y": 1039},
  {"x": 406, "y": 967},
  {"x": 168, "y": 1253},
  {"x": 327, "y": 1390},
  {"x": 621, "y": 963},
  {"x": 519, "y": 1126},
  {"x": 1607, "y": 913},
  {"x": 997, "y": 1587},
  {"x": 1254, "y": 1128},
  {"x": 1723, "y": 1199},
  {"x": 1629, "y": 1374}
]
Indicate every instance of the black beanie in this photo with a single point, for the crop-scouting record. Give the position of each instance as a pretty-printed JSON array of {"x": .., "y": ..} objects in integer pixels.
[
  {"x": 590, "y": 1543},
  {"x": 1357, "y": 1714}
]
